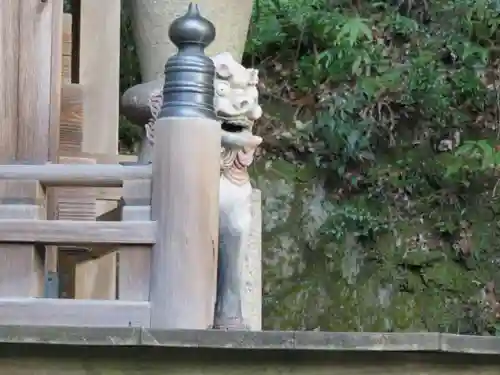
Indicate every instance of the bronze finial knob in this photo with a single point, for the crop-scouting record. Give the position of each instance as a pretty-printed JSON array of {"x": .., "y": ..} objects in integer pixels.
[{"x": 189, "y": 75}]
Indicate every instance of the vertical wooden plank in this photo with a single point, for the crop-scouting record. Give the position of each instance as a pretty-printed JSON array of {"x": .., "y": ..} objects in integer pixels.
[
  {"x": 26, "y": 33},
  {"x": 51, "y": 253},
  {"x": 34, "y": 80},
  {"x": 96, "y": 279},
  {"x": 56, "y": 65},
  {"x": 99, "y": 72},
  {"x": 9, "y": 43},
  {"x": 70, "y": 144},
  {"x": 135, "y": 261},
  {"x": 21, "y": 267}
]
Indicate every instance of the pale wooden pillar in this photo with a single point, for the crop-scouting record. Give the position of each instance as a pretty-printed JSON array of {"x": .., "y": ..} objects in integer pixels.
[
  {"x": 186, "y": 184},
  {"x": 99, "y": 73},
  {"x": 9, "y": 68},
  {"x": 28, "y": 110},
  {"x": 56, "y": 64}
]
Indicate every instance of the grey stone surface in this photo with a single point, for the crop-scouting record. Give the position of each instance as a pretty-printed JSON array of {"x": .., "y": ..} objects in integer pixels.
[
  {"x": 70, "y": 335},
  {"x": 469, "y": 344},
  {"x": 152, "y": 18},
  {"x": 134, "y": 104},
  {"x": 220, "y": 339},
  {"x": 367, "y": 341},
  {"x": 264, "y": 340}
]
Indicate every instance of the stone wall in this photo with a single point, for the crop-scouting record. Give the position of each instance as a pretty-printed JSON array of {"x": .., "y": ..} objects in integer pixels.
[{"x": 37, "y": 351}]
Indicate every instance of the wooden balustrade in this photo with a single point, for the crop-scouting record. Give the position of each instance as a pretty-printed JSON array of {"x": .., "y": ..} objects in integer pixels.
[
  {"x": 165, "y": 224},
  {"x": 23, "y": 227}
]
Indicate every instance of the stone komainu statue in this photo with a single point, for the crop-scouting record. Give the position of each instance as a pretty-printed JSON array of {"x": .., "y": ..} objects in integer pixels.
[{"x": 237, "y": 107}]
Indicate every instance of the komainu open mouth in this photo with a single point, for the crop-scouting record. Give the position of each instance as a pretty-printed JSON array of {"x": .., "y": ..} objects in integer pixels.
[{"x": 231, "y": 127}]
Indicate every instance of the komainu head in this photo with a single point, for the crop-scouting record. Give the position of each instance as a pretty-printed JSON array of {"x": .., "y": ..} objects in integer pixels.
[{"x": 236, "y": 101}]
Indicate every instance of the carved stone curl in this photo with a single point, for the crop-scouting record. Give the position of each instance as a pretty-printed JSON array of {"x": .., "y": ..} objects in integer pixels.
[{"x": 237, "y": 107}]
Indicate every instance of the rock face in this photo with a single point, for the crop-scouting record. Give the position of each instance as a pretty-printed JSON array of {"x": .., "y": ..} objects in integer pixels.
[
  {"x": 237, "y": 107},
  {"x": 320, "y": 272}
]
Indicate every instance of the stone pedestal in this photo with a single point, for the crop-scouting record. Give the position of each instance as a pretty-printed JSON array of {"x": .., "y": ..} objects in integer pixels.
[{"x": 252, "y": 269}]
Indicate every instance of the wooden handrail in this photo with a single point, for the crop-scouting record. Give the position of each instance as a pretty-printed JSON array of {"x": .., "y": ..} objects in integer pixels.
[
  {"x": 76, "y": 175},
  {"x": 65, "y": 232}
]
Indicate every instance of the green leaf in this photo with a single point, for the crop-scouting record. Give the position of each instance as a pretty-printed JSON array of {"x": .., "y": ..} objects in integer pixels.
[
  {"x": 353, "y": 31},
  {"x": 452, "y": 169},
  {"x": 465, "y": 149},
  {"x": 355, "y": 69},
  {"x": 353, "y": 139},
  {"x": 487, "y": 154}
]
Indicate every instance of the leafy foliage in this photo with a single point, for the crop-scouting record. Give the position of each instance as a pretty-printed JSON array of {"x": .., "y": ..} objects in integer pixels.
[{"x": 378, "y": 88}]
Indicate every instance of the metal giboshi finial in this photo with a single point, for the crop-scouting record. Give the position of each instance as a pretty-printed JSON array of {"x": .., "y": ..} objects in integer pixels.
[{"x": 189, "y": 75}]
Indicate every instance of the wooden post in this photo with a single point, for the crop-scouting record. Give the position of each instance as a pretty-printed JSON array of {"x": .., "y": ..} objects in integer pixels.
[
  {"x": 35, "y": 88},
  {"x": 77, "y": 204},
  {"x": 135, "y": 261},
  {"x": 21, "y": 269},
  {"x": 99, "y": 73},
  {"x": 185, "y": 188},
  {"x": 26, "y": 112},
  {"x": 56, "y": 63},
  {"x": 9, "y": 40}
]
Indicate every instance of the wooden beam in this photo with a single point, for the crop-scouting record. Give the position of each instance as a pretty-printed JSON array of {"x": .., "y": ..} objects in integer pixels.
[
  {"x": 51, "y": 253},
  {"x": 100, "y": 175},
  {"x": 38, "y": 89},
  {"x": 58, "y": 232},
  {"x": 100, "y": 74},
  {"x": 9, "y": 68},
  {"x": 35, "y": 86},
  {"x": 73, "y": 203},
  {"x": 75, "y": 313},
  {"x": 56, "y": 65}
]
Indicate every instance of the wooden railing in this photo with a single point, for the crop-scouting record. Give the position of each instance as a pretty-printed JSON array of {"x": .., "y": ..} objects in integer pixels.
[
  {"x": 167, "y": 225},
  {"x": 23, "y": 228}
]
